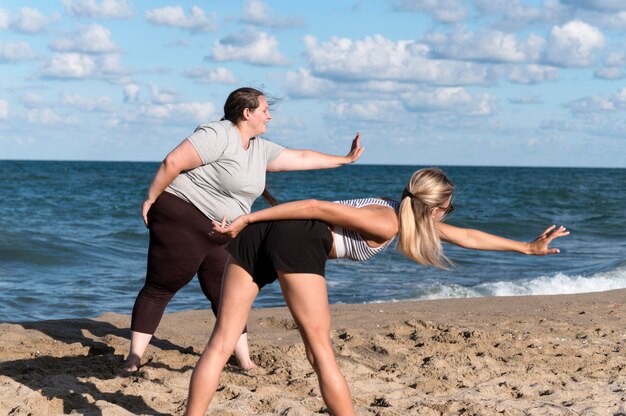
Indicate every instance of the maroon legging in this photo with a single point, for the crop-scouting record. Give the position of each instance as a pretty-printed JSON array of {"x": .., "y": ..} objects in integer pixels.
[{"x": 181, "y": 245}]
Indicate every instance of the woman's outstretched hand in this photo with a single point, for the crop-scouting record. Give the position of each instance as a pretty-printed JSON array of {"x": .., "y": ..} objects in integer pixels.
[
  {"x": 539, "y": 246},
  {"x": 356, "y": 150},
  {"x": 233, "y": 228}
]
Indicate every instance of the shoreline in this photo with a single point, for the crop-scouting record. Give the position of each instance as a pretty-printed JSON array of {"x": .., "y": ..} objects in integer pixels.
[{"x": 536, "y": 355}]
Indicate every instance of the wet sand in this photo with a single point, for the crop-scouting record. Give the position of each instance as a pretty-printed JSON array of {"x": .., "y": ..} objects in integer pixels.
[{"x": 539, "y": 355}]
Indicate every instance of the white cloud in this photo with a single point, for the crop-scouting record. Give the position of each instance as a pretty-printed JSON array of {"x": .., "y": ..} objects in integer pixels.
[
  {"x": 4, "y": 109},
  {"x": 32, "y": 100},
  {"x": 378, "y": 58},
  {"x": 81, "y": 66},
  {"x": 446, "y": 11},
  {"x": 602, "y": 5},
  {"x": 4, "y": 19},
  {"x": 456, "y": 100},
  {"x": 256, "y": 48},
  {"x": 487, "y": 45},
  {"x": 591, "y": 105},
  {"x": 376, "y": 100},
  {"x": 69, "y": 65},
  {"x": 574, "y": 44},
  {"x": 256, "y": 12},
  {"x": 174, "y": 16},
  {"x": 211, "y": 76},
  {"x": 30, "y": 20},
  {"x": 88, "y": 39},
  {"x": 101, "y": 104},
  {"x": 364, "y": 111},
  {"x": 532, "y": 74},
  {"x": 515, "y": 14},
  {"x": 109, "y": 65},
  {"x": 526, "y": 99},
  {"x": 599, "y": 104},
  {"x": 302, "y": 84},
  {"x": 120, "y": 9},
  {"x": 198, "y": 112},
  {"x": 615, "y": 59},
  {"x": 131, "y": 93},
  {"x": 47, "y": 116},
  {"x": 161, "y": 96},
  {"x": 15, "y": 52},
  {"x": 610, "y": 72},
  {"x": 613, "y": 20}
]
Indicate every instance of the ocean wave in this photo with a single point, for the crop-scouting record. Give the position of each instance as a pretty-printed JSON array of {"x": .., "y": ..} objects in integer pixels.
[{"x": 559, "y": 284}]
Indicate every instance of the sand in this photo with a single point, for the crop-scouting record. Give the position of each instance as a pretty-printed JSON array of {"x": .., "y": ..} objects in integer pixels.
[{"x": 539, "y": 355}]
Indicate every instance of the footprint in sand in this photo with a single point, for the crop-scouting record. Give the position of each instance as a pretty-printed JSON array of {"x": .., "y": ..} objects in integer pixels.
[{"x": 278, "y": 323}]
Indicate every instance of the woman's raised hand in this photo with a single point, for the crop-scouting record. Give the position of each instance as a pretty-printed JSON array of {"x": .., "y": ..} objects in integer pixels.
[
  {"x": 356, "y": 150},
  {"x": 539, "y": 246}
]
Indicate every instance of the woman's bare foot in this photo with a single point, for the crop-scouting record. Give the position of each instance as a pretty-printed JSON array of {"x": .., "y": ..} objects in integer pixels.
[
  {"x": 132, "y": 363},
  {"x": 246, "y": 364},
  {"x": 242, "y": 353}
]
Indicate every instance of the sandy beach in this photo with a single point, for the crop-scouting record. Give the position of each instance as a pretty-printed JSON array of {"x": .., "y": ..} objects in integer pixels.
[{"x": 540, "y": 355}]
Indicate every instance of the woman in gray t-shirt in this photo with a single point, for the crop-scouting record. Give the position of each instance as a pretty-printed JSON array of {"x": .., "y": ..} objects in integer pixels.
[{"x": 217, "y": 171}]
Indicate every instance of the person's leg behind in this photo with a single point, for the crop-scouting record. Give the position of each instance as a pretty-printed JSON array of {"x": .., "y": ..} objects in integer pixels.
[
  {"x": 210, "y": 276},
  {"x": 147, "y": 313},
  {"x": 177, "y": 247},
  {"x": 238, "y": 294},
  {"x": 307, "y": 299}
]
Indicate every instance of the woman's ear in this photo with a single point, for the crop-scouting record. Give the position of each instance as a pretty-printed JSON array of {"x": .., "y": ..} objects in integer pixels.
[{"x": 246, "y": 113}]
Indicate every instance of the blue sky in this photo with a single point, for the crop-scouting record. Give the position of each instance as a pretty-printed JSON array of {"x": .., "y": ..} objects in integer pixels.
[{"x": 426, "y": 82}]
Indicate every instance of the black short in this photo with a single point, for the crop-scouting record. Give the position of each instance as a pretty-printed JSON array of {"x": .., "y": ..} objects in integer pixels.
[{"x": 295, "y": 246}]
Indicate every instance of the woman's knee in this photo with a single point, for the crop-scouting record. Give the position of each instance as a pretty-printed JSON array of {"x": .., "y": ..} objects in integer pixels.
[
  {"x": 221, "y": 345},
  {"x": 320, "y": 355},
  {"x": 156, "y": 294}
]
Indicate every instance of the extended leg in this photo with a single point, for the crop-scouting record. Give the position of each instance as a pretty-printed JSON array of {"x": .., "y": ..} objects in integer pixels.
[
  {"x": 307, "y": 299},
  {"x": 138, "y": 343},
  {"x": 210, "y": 276},
  {"x": 177, "y": 247},
  {"x": 238, "y": 293}
]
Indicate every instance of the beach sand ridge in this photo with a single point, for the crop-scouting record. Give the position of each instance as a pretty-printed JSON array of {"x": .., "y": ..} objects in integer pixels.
[{"x": 539, "y": 355}]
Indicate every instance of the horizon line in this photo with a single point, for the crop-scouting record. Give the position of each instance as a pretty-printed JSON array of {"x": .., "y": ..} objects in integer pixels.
[{"x": 358, "y": 164}]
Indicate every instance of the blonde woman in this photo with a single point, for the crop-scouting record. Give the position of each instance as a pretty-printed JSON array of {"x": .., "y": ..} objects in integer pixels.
[{"x": 291, "y": 242}]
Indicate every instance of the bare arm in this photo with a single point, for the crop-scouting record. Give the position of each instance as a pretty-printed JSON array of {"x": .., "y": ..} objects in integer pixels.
[
  {"x": 479, "y": 240},
  {"x": 374, "y": 222},
  {"x": 183, "y": 157},
  {"x": 290, "y": 159}
]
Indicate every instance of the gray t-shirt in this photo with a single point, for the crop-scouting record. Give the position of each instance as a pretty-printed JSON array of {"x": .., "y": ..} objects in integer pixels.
[{"x": 230, "y": 178}]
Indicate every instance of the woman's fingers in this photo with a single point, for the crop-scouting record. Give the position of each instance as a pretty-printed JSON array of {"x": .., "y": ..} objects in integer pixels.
[{"x": 548, "y": 230}]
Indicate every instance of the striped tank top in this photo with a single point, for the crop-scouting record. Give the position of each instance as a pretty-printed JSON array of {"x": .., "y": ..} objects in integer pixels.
[{"x": 350, "y": 244}]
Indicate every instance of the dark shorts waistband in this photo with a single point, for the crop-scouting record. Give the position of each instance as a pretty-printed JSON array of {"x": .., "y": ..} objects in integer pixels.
[{"x": 294, "y": 246}]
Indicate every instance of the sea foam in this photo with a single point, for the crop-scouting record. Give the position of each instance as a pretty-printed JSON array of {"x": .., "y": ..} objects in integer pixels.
[{"x": 559, "y": 284}]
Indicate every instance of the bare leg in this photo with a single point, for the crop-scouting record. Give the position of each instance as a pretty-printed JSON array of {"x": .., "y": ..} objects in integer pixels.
[
  {"x": 307, "y": 299},
  {"x": 210, "y": 277},
  {"x": 238, "y": 293},
  {"x": 242, "y": 353},
  {"x": 138, "y": 344}
]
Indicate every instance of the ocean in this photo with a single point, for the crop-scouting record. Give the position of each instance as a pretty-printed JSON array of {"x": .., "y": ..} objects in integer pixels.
[{"x": 73, "y": 245}]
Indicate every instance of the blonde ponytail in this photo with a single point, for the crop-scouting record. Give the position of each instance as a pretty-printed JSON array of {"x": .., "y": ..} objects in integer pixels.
[{"x": 417, "y": 236}]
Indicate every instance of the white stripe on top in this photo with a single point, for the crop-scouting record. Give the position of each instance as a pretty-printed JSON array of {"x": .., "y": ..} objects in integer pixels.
[{"x": 350, "y": 244}]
